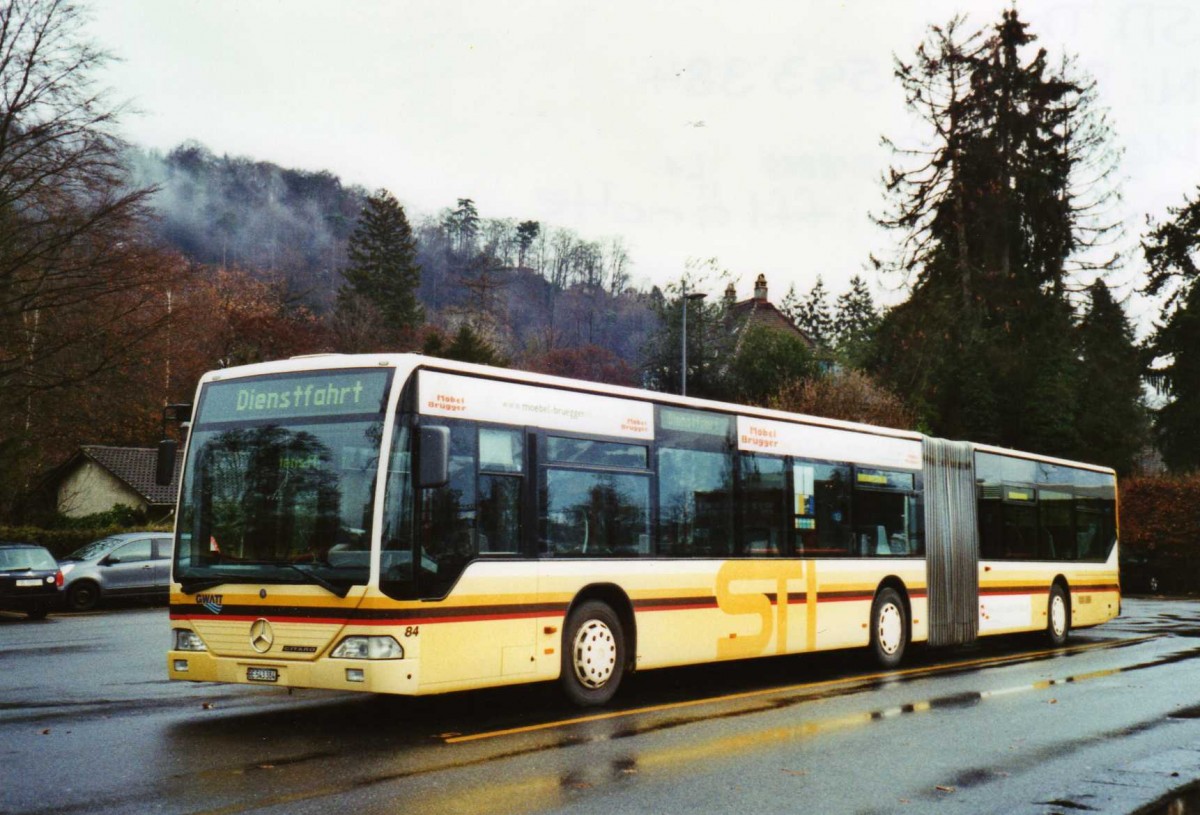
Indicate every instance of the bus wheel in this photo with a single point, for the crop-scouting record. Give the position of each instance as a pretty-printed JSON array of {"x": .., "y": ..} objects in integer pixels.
[
  {"x": 1058, "y": 613},
  {"x": 593, "y": 659},
  {"x": 889, "y": 628}
]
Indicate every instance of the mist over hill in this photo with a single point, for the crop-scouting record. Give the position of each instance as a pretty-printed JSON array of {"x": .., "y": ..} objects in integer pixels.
[{"x": 556, "y": 290}]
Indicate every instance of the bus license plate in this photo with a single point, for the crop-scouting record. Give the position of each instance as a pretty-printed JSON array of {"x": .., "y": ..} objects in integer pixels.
[{"x": 262, "y": 674}]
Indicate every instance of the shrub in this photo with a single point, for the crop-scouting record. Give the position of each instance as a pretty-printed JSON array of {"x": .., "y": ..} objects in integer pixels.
[
  {"x": 1160, "y": 525},
  {"x": 62, "y": 542}
]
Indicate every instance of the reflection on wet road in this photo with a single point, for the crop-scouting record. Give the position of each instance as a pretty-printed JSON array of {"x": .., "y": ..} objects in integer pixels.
[{"x": 1005, "y": 723}]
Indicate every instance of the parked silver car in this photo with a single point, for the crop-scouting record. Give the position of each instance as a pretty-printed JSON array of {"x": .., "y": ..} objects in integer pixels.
[{"x": 132, "y": 564}]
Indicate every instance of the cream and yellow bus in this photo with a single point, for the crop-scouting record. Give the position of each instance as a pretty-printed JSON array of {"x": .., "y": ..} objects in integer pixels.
[{"x": 401, "y": 524}]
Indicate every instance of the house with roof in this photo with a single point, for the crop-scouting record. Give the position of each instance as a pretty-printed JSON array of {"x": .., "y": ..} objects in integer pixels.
[
  {"x": 97, "y": 478},
  {"x": 760, "y": 311}
]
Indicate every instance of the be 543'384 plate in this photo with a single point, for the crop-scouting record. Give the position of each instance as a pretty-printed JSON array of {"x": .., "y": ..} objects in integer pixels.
[{"x": 262, "y": 674}]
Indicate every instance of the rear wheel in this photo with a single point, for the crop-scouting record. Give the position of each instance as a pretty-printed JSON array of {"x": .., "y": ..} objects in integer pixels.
[
  {"x": 889, "y": 628},
  {"x": 83, "y": 596},
  {"x": 593, "y": 656},
  {"x": 1058, "y": 616}
]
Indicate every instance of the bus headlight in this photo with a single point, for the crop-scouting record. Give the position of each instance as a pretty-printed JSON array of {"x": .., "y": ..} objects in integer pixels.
[
  {"x": 186, "y": 640},
  {"x": 368, "y": 648}
]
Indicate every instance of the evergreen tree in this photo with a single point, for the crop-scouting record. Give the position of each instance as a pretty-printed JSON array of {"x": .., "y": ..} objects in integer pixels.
[
  {"x": 463, "y": 224},
  {"x": 993, "y": 223},
  {"x": 383, "y": 269},
  {"x": 1171, "y": 249},
  {"x": 813, "y": 315},
  {"x": 855, "y": 322},
  {"x": 527, "y": 232},
  {"x": 467, "y": 346},
  {"x": 1110, "y": 419},
  {"x": 711, "y": 341}
]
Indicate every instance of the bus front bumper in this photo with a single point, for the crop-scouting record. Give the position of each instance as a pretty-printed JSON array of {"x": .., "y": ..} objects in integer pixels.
[{"x": 374, "y": 676}]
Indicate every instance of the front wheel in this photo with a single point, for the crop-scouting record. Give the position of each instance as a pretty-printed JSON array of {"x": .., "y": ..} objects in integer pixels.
[
  {"x": 593, "y": 657},
  {"x": 1058, "y": 616},
  {"x": 889, "y": 628},
  {"x": 83, "y": 596}
]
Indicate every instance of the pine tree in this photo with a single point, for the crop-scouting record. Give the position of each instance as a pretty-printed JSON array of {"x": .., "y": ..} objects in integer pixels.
[
  {"x": 993, "y": 223},
  {"x": 1171, "y": 249},
  {"x": 527, "y": 232},
  {"x": 814, "y": 317},
  {"x": 383, "y": 269},
  {"x": 1111, "y": 420},
  {"x": 463, "y": 224},
  {"x": 855, "y": 321}
]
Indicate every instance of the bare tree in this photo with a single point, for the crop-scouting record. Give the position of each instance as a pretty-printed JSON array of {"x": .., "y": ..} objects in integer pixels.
[{"x": 71, "y": 271}]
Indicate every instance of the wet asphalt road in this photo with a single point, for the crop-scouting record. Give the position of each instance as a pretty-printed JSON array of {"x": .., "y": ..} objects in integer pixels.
[{"x": 89, "y": 724}]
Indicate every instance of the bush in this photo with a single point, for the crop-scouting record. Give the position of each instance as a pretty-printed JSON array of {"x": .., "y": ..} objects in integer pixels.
[
  {"x": 1160, "y": 527},
  {"x": 62, "y": 542}
]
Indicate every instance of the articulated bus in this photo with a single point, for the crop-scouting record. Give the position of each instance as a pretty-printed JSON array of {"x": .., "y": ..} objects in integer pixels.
[{"x": 401, "y": 524}]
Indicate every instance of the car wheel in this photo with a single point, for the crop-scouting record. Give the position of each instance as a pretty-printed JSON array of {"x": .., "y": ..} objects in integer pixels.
[
  {"x": 593, "y": 657},
  {"x": 38, "y": 612},
  {"x": 83, "y": 596},
  {"x": 1058, "y": 616},
  {"x": 889, "y": 628}
]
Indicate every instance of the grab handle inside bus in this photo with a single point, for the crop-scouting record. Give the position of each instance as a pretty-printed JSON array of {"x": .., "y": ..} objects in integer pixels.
[{"x": 434, "y": 452}]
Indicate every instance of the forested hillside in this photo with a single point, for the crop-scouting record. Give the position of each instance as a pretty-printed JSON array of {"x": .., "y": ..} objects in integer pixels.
[{"x": 529, "y": 288}]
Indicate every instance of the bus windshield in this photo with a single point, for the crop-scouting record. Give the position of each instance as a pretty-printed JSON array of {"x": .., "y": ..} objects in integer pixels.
[{"x": 279, "y": 483}]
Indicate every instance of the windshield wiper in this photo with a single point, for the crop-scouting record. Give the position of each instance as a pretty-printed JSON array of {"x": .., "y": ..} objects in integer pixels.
[{"x": 313, "y": 577}]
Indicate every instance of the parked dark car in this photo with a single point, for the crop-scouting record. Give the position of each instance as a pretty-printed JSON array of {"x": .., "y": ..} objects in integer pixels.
[
  {"x": 132, "y": 564},
  {"x": 30, "y": 579},
  {"x": 1143, "y": 572}
]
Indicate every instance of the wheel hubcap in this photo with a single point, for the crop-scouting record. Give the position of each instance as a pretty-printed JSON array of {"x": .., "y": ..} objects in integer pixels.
[
  {"x": 890, "y": 630},
  {"x": 594, "y": 654},
  {"x": 1058, "y": 615}
]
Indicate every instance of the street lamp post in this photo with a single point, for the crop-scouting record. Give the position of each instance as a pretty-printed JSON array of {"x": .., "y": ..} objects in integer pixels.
[{"x": 698, "y": 295}]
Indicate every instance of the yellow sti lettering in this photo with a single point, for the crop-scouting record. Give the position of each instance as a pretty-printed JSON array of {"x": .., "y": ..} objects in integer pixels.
[{"x": 767, "y": 578}]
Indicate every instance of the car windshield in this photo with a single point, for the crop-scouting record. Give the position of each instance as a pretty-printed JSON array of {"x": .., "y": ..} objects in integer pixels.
[
  {"x": 280, "y": 481},
  {"x": 22, "y": 559},
  {"x": 94, "y": 549}
]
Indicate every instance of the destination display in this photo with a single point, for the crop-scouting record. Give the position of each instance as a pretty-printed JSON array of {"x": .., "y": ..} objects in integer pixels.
[
  {"x": 463, "y": 397},
  {"x": 826, "y": 444},
  {"x": 302, "y": 396}
]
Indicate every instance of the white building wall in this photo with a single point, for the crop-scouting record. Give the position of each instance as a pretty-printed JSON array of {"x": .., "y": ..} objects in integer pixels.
[{"x": 91, "y": 489}]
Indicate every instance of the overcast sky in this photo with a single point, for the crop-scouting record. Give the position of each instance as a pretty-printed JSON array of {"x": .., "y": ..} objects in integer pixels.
[{"x": 740, "y": 130}]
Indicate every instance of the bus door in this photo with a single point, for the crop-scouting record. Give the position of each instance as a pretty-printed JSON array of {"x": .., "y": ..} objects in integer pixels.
[{"x": 951, "y": 541}]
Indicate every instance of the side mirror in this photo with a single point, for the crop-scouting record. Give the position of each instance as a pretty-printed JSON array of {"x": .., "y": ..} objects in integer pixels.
[
  {"x": 433, "y": 457},
  {"x": 164, "y": 466}
]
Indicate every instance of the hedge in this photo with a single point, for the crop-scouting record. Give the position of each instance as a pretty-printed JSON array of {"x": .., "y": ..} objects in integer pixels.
[
  {"x": 1160, "y": 530},
  {"x": 62, "y": 542}
]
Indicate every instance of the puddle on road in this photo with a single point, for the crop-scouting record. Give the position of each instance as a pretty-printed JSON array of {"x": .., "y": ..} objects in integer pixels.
[{"x": 1184, "y": 802}]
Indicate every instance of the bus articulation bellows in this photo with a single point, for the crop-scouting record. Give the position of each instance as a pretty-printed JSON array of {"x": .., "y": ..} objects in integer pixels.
[{"x": 401, "y": 524}]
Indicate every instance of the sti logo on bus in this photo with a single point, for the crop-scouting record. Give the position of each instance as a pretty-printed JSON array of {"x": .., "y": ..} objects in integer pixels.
[{"x": 212, "y": 602}]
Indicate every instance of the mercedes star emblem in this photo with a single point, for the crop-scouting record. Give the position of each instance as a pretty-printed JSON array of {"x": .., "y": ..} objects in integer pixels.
[{"x": 262, "y": 637}]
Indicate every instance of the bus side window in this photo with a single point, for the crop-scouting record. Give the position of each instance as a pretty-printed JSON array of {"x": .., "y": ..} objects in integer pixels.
[
  {"x": 695, "y": 502},
  {"x": 695, "y": 483},
  {"x": 762, "y": 504},
  {"x": 821, "y": 509},
  {"x": 501, "y": 464}
]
